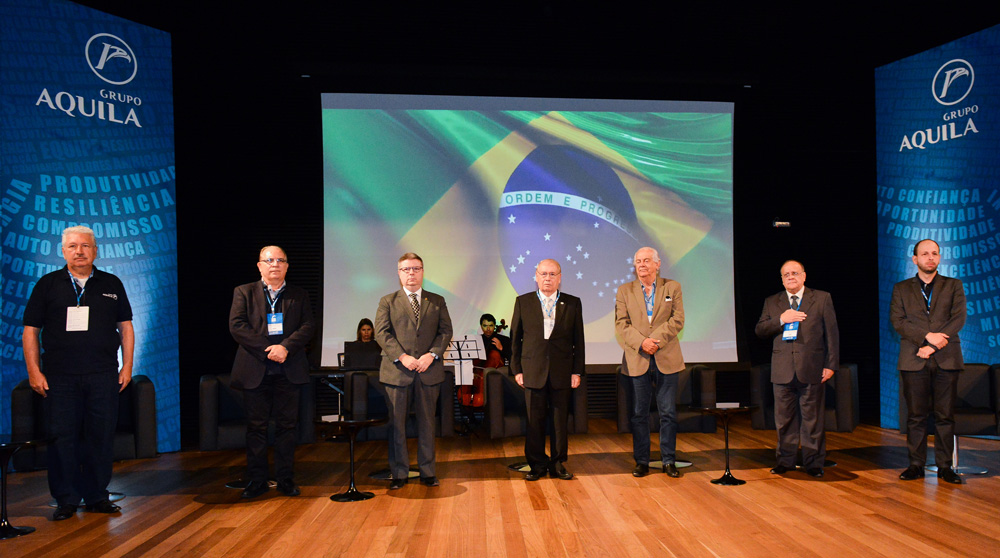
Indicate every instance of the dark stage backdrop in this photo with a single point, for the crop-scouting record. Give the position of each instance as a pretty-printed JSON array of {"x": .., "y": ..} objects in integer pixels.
[
  {"x": 88, "y": 139},
  {"x": 938, "y": 138}
]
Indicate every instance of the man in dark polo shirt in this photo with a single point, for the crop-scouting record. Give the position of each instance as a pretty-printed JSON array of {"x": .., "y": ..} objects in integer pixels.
[{"x": 83, "y": 316}]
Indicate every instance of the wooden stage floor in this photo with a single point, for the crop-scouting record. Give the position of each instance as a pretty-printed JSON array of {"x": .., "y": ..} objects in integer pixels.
[{"x": 177, "y": 505}]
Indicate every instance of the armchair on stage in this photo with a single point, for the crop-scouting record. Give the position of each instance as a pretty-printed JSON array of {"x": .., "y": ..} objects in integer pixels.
[
  {"x": 506, "y": 414},
  {"x": 366, "y": 397},
  {"x": 977, "y": 407},
  {"x": 843, "y": 412},
  {"x": 222, "y": 418},
  {"x": 135, "y": 437},
  {"x": 695, "y": 388}
]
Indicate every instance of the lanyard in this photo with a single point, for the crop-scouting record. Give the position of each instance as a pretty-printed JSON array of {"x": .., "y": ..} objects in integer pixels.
[
  {"x": 79, "y": 292},
  {"x": 927, "y": 297},
  {"x": 649, "y": 300},
  {"x": 551, "y": 312},
  {"x": 267, "y": 295}
]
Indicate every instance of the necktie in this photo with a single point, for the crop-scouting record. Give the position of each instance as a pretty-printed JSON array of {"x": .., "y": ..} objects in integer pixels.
[
  {"x": 795, "y": 302},
  {"x": 549, "y": 303},
  {"x": 415, "y": 305}
]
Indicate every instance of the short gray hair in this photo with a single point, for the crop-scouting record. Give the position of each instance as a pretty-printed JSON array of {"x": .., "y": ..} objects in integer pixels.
[
  {"x": 79, "y": 229},
  {"x": 656, "y": 255}
]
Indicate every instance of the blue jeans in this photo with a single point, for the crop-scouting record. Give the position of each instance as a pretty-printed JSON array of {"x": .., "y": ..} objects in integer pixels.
[
  {"x": 82, "y": 413},
  {"x": 666, "y": 404}
]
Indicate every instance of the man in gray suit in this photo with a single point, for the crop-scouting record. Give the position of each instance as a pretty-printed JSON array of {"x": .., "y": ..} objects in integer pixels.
[
  {"x": 928, "y": 311},
  {"x": 413, "y": 328},
  {"x": 806, "y": 351}
]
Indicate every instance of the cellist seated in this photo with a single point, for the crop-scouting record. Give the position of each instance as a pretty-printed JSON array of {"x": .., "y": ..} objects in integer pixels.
[{"x": 497, "y": 346}]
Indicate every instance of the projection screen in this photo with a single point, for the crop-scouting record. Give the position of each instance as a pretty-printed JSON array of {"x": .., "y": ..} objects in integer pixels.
[{"x": 483, "y": 188}]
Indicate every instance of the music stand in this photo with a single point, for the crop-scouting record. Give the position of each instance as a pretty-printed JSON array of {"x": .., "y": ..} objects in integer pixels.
[{"x": 461, "y": 353}]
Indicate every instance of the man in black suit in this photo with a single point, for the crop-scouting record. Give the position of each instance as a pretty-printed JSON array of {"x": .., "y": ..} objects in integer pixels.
[
  {"x": 547, "y": 359},
  {"x": 413, "y": 327},
  {"x": 272, "y": 322},
  {"x": 806, "y": 351},
  {"x": 928, "y": 311}
]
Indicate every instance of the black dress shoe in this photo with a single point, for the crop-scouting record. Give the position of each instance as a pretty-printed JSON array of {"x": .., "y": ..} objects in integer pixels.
[
  {"x": 396, "y": 484},
  {"x": 671, "y": 470},
  {"x": 288, "y": 488},
  {"x": 816, "y": 472},
  {"x": 104, "y": 506},
  {"x": 534, "y": 474},
  {"x": 912, "y": 473},
  {"x": 557, "y": 471},
  {"x": 64, "y": 511},
  {"x": 254, "y": 489},
  {"x": 641, "y": 470},
  {"x": 779, "y": 470},
  {"x": 429, "y": 481},
  {"x": 947, "y": 474}
]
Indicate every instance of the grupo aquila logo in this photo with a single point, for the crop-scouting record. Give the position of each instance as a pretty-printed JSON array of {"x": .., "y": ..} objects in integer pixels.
[
  {"x": 953, "y": 82},
  {"x": 111, "y": 59}
]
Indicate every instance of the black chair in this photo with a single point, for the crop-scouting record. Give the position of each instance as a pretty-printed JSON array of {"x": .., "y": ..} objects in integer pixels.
[
  {"x": 506, "y": 414},
  {"x": 366, "y": 397},
  {"x": 976, "y": 409},
  {"x": 843, "y": 412},
  {"x": 695, "y": 388},
  {"x": 135, "y": 436},
  {"x": 222, "y": 418}
]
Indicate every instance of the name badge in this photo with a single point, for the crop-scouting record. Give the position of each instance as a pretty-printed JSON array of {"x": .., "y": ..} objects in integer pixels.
[
  {"x": 274, "y": 322},
  {"x": 77, "y": 318},
  {"x": 791, "y": 332}
]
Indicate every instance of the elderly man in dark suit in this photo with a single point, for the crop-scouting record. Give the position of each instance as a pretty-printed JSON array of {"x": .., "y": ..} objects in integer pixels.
[
  {"x": 413, "y": 328},
  {"x": 806, "y": 351},
  {"x": 272, "y": 322},
  {"x": 928, "y": 311},
  {"x": 547, "y": 360}
]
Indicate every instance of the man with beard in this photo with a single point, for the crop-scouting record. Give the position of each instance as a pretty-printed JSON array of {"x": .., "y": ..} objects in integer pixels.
[{"x": 928, "y": 311}]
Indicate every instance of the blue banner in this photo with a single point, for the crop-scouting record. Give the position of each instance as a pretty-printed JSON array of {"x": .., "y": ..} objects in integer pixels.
[
  {"x": 88, "y": 139},
  {"x": 938, "y": 141}
]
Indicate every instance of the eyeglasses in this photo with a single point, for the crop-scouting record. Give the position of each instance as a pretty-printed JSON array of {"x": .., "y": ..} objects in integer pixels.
[
  {"x": 544, "y": 274},
  {"x": 273, "y": 261},
  {"x": 414, "y": 269},
  {"x": 646, "y": 261},
  {"x": 792, "y": 274}
]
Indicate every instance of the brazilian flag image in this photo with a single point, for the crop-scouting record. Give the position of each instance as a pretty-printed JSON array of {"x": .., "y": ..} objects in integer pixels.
[{"x": 483, "y": 196}]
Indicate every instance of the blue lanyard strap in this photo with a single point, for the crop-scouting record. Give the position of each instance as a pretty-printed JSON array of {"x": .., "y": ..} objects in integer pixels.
[
  {"x": 78, "y": 292},
  {"x": 649, "y": 300},
  {"x": 550, "y": 314},
  {"x": 267, "y": 295}
]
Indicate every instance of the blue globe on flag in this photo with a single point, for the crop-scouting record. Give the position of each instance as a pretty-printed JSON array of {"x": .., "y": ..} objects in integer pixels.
[{"x": 564, "y": 204}]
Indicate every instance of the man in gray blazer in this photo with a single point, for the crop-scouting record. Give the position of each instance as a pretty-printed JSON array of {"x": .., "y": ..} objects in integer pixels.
[
  {"x": 272, "y": 322},
  {"x": 649, "y": 316},
  {"x": 413, "y": 328},
  {"x": 928, "y": 311},
  {"x": 806, "y": 351}
]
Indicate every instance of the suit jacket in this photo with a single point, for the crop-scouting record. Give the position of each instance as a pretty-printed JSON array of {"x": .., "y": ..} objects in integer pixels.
[
  {"x": 248, "y": 326},
  {"x": 632, "y": 326},
  {"x": 556, "y": 358},
  {"x": 817, "y": 345},
  {"x": 399, "y": 333},
  {"x": 908, "y": 314}
]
